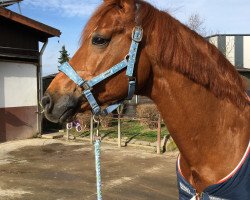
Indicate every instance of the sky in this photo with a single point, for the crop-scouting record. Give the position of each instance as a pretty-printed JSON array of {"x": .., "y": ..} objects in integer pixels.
[{"x": 70, "y": 17}]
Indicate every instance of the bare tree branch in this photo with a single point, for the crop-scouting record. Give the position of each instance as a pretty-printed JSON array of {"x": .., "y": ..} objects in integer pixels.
[{"x": 196, "y": 23}]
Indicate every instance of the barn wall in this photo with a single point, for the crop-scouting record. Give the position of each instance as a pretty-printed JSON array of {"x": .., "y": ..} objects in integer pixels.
[
  {"x": 247, "y": 52},
  {"x": 214, "y": 41},
  {"x": 239, "y": 60},
  {"x": 18, "y": 100},
  {"x": 230, "y": 49},
  {"x": 236, "y": 48},
  {"x": 17, "y": 42}
]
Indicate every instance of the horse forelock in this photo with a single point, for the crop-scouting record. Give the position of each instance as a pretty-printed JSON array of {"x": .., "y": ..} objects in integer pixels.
[
  {"x": 98, "y": 15},
  {"x": 183, "y": 50}
]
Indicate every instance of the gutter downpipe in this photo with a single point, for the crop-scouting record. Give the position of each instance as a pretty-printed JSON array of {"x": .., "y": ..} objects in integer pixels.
[{"x": 40, "y": 89}]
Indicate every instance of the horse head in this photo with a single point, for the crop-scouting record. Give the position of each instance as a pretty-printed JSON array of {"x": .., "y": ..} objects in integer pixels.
[{"x": 106, "y": 41}]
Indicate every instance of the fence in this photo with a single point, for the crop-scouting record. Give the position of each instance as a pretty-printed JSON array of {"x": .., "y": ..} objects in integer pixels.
[{"x": 123, "y": 123}]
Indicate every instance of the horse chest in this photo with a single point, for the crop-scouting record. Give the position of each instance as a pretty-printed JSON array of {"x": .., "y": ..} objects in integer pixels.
[{"x": 235, "y": 187}]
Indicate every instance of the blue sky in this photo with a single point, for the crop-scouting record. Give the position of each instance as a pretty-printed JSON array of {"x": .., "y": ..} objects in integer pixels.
[{"x": 70, "y": 16}]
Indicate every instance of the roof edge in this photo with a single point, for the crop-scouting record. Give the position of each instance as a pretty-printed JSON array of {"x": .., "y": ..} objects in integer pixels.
[
  {"x": 217, "y": 35},
  {"x": 243, "y": 69},
  {"x": 52, "y": 32}
]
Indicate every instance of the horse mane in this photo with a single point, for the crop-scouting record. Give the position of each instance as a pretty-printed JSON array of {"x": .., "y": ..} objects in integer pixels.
[{"x": 183, "y": 50}]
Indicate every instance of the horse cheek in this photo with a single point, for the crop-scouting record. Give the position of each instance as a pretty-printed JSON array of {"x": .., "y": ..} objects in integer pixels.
[{"x": 143, "y": 72}]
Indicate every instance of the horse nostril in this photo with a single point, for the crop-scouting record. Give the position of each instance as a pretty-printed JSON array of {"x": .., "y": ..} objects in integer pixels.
[{"x": 47, "y": 103}]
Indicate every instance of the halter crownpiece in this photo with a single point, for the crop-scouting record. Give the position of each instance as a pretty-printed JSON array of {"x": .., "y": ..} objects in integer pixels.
[{"x": 128, "y": 62}]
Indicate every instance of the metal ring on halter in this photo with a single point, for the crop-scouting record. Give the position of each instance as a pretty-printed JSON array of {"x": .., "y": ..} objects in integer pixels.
[
  {"x": 97, "y": 135},
  {"x": 126, "y": 57},
  {"x": 96, "y": 118},
  {"x": 42, "y": 108}
]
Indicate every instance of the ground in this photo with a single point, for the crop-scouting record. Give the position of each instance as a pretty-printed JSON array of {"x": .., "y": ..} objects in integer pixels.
[{"x": 58, "y": 170}]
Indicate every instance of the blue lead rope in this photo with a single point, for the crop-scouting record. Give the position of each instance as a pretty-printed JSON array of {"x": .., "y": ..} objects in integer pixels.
[
  {"x": 98, "y": 169},
  {"x": 129, "y": 63}
]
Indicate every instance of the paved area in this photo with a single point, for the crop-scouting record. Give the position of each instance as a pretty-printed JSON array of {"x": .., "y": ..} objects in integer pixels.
[{"x": 40, "y": 169}]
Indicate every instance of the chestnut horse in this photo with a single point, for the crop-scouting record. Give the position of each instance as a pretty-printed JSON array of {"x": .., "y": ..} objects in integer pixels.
[{"x": 198, "y": 92}]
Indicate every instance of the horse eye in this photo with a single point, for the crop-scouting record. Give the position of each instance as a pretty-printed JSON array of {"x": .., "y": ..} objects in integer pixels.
[{"x": 98, "y": 40}]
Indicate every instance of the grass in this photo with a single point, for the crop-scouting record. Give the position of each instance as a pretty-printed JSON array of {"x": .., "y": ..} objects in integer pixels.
[{"x": 130, "y": 129}]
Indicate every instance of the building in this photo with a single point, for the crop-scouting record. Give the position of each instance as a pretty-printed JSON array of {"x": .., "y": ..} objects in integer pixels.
[
  {"x": 236, "y": 48},
  {"x": 48, "y": 126},
  {"x": 20, "y": 74}
]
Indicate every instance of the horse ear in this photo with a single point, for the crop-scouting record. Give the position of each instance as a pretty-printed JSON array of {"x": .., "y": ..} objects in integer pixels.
[{"x": 126, "y": 5}]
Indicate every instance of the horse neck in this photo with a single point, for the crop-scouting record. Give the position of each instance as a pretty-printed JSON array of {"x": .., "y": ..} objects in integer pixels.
[
  {"x": 208, "y": 131},
  {"x": 192, "y": 112}
]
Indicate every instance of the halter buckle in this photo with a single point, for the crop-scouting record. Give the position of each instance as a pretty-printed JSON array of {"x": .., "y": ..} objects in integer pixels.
[
  {"x": 137, "y": 34},
  {"x": 131, "y": 78},
  {"x": 86, "y": 86}
]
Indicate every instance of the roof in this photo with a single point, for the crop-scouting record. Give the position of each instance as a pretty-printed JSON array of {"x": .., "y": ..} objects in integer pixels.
[
  {"x": 243, "y": 69},
  {"x": 30, "y": 23},
  {"x": 217, "y": 35},
  {"x": 6, "y": 3}
]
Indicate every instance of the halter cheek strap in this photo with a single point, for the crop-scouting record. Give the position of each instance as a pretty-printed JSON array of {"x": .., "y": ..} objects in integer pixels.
[{"x": 87, "y": 86}]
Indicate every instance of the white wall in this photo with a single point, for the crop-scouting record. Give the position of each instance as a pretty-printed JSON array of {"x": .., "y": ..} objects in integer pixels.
[
  {"x": 246, "y": 51},
  {"x": 18, "y": 85},
  {"x": 230, "y": 49},
  {"x": 214, "y": 41}
]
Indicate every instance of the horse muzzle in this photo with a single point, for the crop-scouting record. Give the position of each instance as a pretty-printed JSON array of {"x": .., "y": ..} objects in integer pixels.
[{"x": 59, "y": 110}]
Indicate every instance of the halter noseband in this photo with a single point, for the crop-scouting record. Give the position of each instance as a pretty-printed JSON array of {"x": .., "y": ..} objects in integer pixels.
[{"x": 129, "y": 62}]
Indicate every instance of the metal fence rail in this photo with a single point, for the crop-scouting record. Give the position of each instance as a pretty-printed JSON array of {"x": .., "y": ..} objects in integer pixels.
[{"x": 161, "y": 143}]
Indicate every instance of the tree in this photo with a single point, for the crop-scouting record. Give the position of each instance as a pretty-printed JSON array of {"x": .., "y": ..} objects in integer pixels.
[
  {"x": 196, "y": 23},
  {"x": 64, "y": 56}
]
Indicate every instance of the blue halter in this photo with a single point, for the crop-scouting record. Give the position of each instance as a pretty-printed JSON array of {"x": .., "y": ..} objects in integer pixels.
[{"x": 128, "y": 62}]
